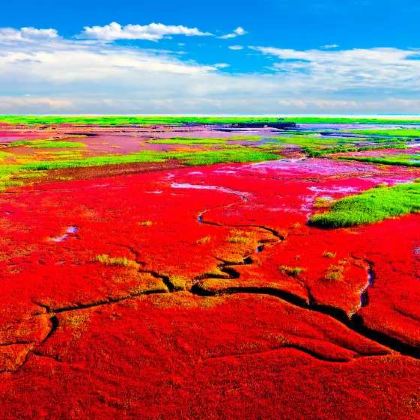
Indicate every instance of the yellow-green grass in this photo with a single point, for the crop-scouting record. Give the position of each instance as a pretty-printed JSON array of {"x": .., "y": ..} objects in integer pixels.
[
  {"x": 291, "y": 271},
  {"x": 4, "y": 156},
  {"x": 116, "y": 261},
  {"x": 14, "y": 176}
]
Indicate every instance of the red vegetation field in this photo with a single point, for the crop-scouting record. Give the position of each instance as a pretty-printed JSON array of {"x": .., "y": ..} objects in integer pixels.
[{"x": 202, "y": 292}]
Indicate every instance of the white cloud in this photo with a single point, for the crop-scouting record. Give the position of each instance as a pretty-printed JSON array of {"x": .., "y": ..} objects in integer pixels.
[
  {"x": 56, "y": 75},
  {"x": 150, "y": 32},
  {"x": 27, "y": 34},
  {"x": 236, "y": 47},
  {"x": 27, "y": 104},
  {"x": 62, "y": 61},
  {"x": 239, "y": 31},
  {"x": 374, "y": 68}
]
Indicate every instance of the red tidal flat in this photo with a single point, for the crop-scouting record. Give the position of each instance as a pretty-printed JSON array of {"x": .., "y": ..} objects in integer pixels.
[{"x": 202, "y": 292}]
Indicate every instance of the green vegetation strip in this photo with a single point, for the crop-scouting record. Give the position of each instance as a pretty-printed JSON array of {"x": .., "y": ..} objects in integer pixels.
[
  {"x": 203, "y": 140},
  {"x": 318, "y": 146},
  {"x": 311, "y": 152},
  {"x": 6, "y": 174},
  {"x": 371, "y": 206},
  {"x": 47, "y": 144},
  {"x": 188, "y": 141},
  {"x": 206, "y": 157},
  {"x": 396, "y": 132},
  {"x": 401, "y": 160},
  {"x": 115, "y": 120},
  {"x": 353, "y": 120},
  {"x": 141, "y": 157},
  {"x": 164, "y": 119},
  {"x": 13, "y": 175},
  {"x": 237, "y": 155}
]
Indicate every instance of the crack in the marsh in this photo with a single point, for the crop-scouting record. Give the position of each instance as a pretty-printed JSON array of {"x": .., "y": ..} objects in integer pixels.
[
  {"x": 287, "y": 346},
  {"x": 164, "y": 278},
  {"x": 47, "y": 356},
  {"x": 52, "y": 312},
  {"x": 371, "y": 276},
  {"x": 101, "y": 302},
  {"x": 354, "y": 322},
  {"x": 274, "y": 232},
  {"x": 227, "y": 268},
  {"x": 411, "y": 316}
]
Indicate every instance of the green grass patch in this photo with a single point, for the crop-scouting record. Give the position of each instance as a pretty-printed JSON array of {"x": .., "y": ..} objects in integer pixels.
[
  {"x": 121, "y": 120},
  {"x": 164, "y": 119},
  {"x": 47, "y": 144},
  {"x": 206, "y": 157},
  {"x": 15, "y": 176},
  {"x": 311, "y": 145},
  {"x": 352, "y": 120},
  {"x": 395, "y": 132},
  {"x": 140, "y": 157},
  {"x": 371, "y": 206},
  {"x": 312, "y": 152},
  {"x": 401, "y": 160},
  {"x": 318, "y": 146},
  {"x": 210, "y": 157},
  {"x": 6, "y": 174}
]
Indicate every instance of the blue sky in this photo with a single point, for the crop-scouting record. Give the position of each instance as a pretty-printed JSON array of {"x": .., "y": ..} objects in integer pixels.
[{"x": 230, "y": 56}]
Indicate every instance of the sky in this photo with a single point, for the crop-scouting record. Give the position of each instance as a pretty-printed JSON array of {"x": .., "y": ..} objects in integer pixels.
[{"x": 210, "y": 57}]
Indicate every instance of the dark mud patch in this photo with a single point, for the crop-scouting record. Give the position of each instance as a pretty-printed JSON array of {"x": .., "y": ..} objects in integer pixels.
[{"x": 110, "y": 170}]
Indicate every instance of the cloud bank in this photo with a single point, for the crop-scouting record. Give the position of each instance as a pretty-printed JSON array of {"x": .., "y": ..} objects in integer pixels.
[
  {"x": 41, "y": 72},
  {"x": 152, "y": 32},
  {"x": 29, "y": 34}
]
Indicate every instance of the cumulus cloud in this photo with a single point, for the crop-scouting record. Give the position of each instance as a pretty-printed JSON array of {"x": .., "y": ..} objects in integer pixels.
[
  {"x": 386, "y": 68},
  {"x": 57, "y": 75},
  {"x": 239, "y": 31},
  {"x": 27, "y": 34},
  {"x": 151, "y": 32}
]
